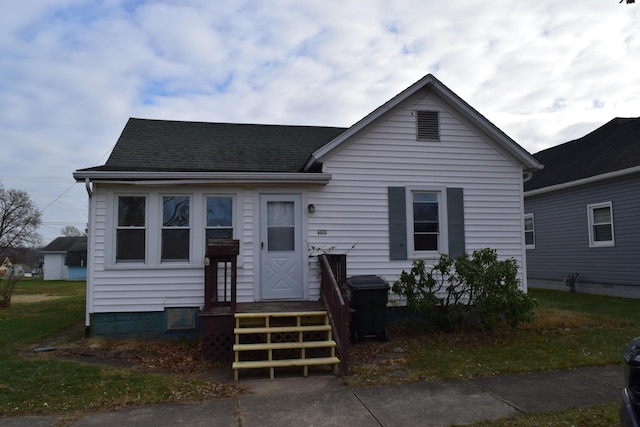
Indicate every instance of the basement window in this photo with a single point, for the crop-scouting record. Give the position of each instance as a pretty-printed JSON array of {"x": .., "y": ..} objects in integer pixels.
[{"x": 427, "y": 125}]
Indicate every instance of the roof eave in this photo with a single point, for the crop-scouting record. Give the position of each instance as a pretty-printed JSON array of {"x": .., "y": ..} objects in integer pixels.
[{"x": 133, "y": 177}]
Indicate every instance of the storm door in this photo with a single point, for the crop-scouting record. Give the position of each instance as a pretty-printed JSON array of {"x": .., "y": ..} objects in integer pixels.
[{"x": 281, "y": 246}]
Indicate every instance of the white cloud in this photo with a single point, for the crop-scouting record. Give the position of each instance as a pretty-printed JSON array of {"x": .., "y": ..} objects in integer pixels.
[{"x": 544, "y": 71}]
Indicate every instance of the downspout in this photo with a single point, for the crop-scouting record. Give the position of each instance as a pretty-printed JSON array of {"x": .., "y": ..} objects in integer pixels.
[{"x": 89, "y": 286}]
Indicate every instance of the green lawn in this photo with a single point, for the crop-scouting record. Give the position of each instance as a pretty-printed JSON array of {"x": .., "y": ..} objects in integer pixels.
[
  {"x": 571, "y": 330},
  {"x": 34, "y": 385}
]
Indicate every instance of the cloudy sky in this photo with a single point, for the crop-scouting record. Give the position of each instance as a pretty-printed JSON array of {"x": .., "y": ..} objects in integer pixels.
[{"x": 72, "y": 72}]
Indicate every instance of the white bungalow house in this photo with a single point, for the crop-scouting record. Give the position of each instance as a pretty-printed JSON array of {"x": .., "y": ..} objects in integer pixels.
[{"x": 422, "y": 175}]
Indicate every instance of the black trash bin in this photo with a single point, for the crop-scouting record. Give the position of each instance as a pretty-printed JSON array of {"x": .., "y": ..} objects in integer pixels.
[{"x": 368, "y": 299}]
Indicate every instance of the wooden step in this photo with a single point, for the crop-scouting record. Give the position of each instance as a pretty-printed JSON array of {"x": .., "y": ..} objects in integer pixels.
[
  {"x": 282, "y": 314},
  {"x": 284, "y": 345},
  {"x": 268, "y": 326},
  {"x": 283, "y": 363},
  {"x": 281, "y": 329}
]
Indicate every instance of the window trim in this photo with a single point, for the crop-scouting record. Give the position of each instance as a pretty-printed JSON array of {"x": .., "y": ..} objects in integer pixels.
[
  {"x": 532, "y": 231},
  {"x": 161, "y": 227},
  {"x": 443, "y": 237},
  {"x": 153, "y": 212},
  {"x": 114, "y": 236},
  {"x": 234, "y": 220},
  {"x": 604, "y": 243}
]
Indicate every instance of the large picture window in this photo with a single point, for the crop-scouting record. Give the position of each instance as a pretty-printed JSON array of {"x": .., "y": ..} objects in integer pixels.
[
  {"x": 600, "y": 224},
  {"x": 175, "y": 228},
  {"x": 219, "y": 217},
  {"x": 131, "y": 229}
]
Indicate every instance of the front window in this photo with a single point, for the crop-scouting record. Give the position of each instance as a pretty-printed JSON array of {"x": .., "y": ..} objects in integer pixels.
[
  {"x": 219, "y": 217},
  {"x": 175, "y": 228},
  {"x": 529, "y": 232},
  {"x": 601, "y": 224},
  {"x": 131, "y": 229},
  {"x": 426, "y": 221}
]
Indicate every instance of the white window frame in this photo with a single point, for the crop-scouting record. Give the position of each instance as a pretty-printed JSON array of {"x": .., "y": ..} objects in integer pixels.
[
  {"x": 161, "y": 227},
  {"x": 115, "y": 227},
  {"x": 592, "y": 241},
  {"x": 532, "y": 231},
  {"x": 443, "y": 240},
  {"x": 234, "y": 210}
]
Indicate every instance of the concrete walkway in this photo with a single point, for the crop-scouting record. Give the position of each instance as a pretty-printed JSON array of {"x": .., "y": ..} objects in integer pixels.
[{"x": 325, "y": 401}]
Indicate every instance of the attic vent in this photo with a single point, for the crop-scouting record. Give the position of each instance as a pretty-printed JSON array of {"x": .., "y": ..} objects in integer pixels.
[{"x": 427, "y": 125}]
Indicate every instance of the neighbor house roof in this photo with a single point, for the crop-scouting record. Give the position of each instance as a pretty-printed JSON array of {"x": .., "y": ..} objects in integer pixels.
[
  {"x": 171, "y": 146},
  {"x": 610, "y": 149},
  {"x": 65, "y": 244}
]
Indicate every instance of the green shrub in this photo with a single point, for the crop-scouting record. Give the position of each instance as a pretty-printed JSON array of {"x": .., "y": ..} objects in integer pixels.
[
  {"x": 10, "y": 275},
  {"x": 477, "y": 291}
]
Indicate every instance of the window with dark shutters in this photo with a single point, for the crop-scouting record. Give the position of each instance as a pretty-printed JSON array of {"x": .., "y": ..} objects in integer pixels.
[{"x": 427, "y": 125}]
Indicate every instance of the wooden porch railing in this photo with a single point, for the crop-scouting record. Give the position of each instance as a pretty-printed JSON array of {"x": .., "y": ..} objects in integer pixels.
[{"x": 333, "y": 290}]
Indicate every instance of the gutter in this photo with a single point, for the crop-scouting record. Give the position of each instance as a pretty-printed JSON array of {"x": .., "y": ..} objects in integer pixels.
[
  {"x": 156, "y": 178},
  {"x": 583, "y": 181}
]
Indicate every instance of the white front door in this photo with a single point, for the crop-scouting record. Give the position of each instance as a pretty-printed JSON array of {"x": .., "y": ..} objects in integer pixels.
[{"x": 281, "y": 246}]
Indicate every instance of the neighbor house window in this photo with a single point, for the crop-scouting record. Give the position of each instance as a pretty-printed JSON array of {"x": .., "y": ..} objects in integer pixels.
[
  {"x": 529, "y": 232},
  {"x": 175, "y": 228},
  {"x": 131, "y": 229},
  {"x": 600, "y": 224},
  {"x": 427, "y": 125},
  {"x": 219, "y": 217},
  {"x": 426, "y": 221}
]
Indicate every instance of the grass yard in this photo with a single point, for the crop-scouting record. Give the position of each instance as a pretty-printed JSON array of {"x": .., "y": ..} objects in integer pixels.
[
  {"x": 571, "y": 330},
  {"x": 46, "y": 385}
]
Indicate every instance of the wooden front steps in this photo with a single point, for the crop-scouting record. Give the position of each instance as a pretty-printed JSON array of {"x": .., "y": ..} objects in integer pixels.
[{"x": 283, "y": 339}]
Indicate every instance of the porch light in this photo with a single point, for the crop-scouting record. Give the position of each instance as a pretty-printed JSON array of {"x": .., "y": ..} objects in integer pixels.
[{"x": 311, "y": 208}]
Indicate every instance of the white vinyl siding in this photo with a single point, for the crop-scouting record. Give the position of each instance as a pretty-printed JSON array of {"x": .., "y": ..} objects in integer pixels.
[{"x": 352, "y": 211}]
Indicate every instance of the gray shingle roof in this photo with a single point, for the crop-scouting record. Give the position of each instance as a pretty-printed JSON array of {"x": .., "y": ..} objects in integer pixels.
[
  {"x": 177, "y": 146},
  {"x": 64, "y": 244},
  {"x": 612, "y": 147}
]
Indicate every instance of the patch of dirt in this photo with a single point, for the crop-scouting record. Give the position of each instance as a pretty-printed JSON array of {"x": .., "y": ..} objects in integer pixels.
[
  {"x": 176, "y": 358},
  {"x": 33, "y": 298}
]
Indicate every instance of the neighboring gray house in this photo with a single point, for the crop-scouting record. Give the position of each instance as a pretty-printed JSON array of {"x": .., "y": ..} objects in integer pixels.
[
  {"x": 581, "y": 212},
  {"x": 65, "y": 258},
  {"x": 422, "y": 175}
]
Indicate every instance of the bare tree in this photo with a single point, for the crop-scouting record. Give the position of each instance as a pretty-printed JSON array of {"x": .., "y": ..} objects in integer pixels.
[
  {"x": 71, "y": 231},
  {"x": 628, "y": 1},
  {"x": 19, "y": 220}
]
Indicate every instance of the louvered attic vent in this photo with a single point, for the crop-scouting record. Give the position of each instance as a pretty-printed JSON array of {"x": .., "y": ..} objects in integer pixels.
[{"x": 427, "y": 125}]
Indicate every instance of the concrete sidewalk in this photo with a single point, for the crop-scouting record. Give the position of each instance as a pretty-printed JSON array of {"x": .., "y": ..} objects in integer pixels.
[{"x": 325, "y": 401}]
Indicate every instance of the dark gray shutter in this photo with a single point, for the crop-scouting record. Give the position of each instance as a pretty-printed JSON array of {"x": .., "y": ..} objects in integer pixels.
[
  {"x": 397, "y": 223},
  {"x": 455, "y": 219}
]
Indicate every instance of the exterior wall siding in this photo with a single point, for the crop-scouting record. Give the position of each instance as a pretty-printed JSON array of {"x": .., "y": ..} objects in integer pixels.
[
  {"x": 562, "y": 235},
  {"x": 352, "y": 211}
]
